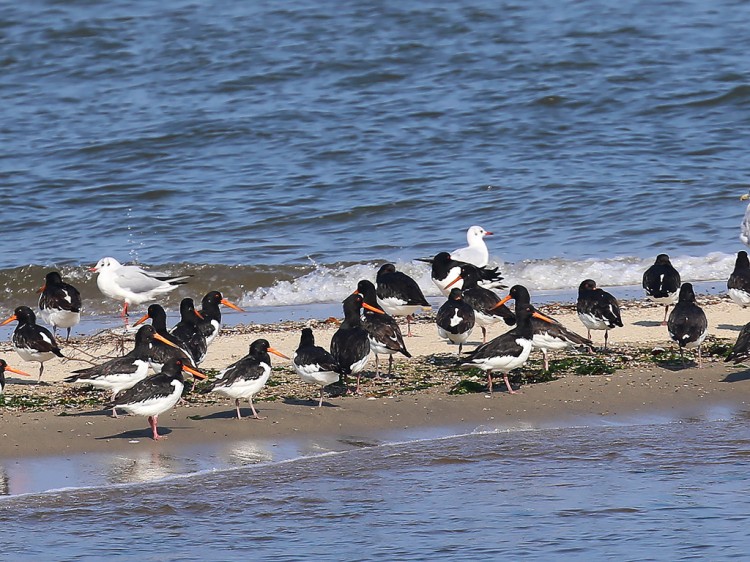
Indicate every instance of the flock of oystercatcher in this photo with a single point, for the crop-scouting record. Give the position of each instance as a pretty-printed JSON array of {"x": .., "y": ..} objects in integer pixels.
[{"x": 369, "y": 327}]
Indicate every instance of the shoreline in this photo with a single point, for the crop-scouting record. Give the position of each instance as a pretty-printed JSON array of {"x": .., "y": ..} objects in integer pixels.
[{"x": 648, "y": 382}]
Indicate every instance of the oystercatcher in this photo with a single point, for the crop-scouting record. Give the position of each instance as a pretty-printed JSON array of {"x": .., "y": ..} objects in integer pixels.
[
  {"x": 445, "y": 269},
  {"x": 382, "y": 329},
  {"x": 476, "y": 252},
  {"x": 398, "y": 294},
  {"x": 160, "y": 352},
  {"x": 131, "y": 284},
  {"x": 350, "y": 344},
  {"x": 597, "y": 309},
  {"x": 157, "y": 393},
  {"x": 547, "y": 336},
  {"x": 488, "y": 309},
  {"x": 247, "y": 377},
  {"x": 188, "y": 331},
  {"x": 741, "y": 350},
  {"x": 738, "y": 285},
  {"x": 507, "y": 351},
  {"x": 121, "y": 373},
  {"x": 455, "y": 319},
  {"x": 31, "y": 341},
  {"x": 4, "y": 367},
  {"x": 687, "y": 323},
  {"x": 210, "y": 325},
  {"x": 59, "y": 303},
  {"x": 313, "y": 364},
  {"x": 662, "y": 282}
]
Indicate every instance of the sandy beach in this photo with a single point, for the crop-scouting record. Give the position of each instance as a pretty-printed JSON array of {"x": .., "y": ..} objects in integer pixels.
[{"x": 648, "y": 379}]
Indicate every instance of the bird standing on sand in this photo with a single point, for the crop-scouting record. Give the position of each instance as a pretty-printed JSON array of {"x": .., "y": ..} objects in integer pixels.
[
  {"x": 738, "y": 285},
  {"x": 160, "y": 352},
  {"x": 59, "y": 303},
  {"x": 507, "y": 351},
  {"x": 398, "y": 294},
  {"x": 350, "y": 344},
  {"x": 188, "y": 331},
  {"x": 121, "y": 373},
  {"x": 131, "y": 284},
  {"x": 547, "y": 336},
  {"x": 156, "y": 394},
  {"x": 210, "y": 325},
  {"x": 741, "y": 350},
  {"x": 31, "y": 341},
  {"x": 488, "y": 310},
  {"x": 687, "y": 323},
  {"x": 247, "y": 377},
  {"x": 4, "y": 367},
  {"x": 382, "y": 329},
  {"x": 313, "y": 364},
  {"x": 662, "y": 282},
  {"x": 455, "y": 319},
  {"x": 476, "y": 253},
  {"x": 597, "y": 309}
]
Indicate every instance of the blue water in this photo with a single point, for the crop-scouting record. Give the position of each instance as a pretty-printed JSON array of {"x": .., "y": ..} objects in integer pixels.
[
  {"x": 668, "y": 490},
  {"x": 280, "y": 151}
]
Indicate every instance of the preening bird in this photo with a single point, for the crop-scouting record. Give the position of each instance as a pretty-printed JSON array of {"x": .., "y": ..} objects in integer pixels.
[
  {"x": 662, "y": 283},
  {"x": 350, "y": 344}
]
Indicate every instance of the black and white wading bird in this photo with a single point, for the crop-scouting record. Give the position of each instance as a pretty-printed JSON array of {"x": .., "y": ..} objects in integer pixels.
[
  {"x": 160, "y": 352},
  {"x": 488, "y": 310},
  {"x": 59, "y": 303},
  {"x": 455, "y": 319},
  {"x": 597, "y": 309},
  {"x": 399, "y": 295},
  {"x": 662, "y": 283},
  {"x": 738, "y": 285},
  {"x": 445, "y": 269},
  {"x": 188, "y": 331},
  {"x": 687, "y": 322},
  {"x": 247, "y": 377},
  {"x": 548, "y": 336},
  {"x": 508, "y": 351},
  {"x": 31, "y": 341},
  {"x": 156, "y": 394},
  {"x": 210, "y": 324},
  {"x": 121, "y": 373},
  {"x": 131, "y": 284},
  {"x": 4, "y": 367},
  {"x": 350, "y": 344},
  {"x": 382, "y": 329},
  {"x": 313, "y": 364},
  {"x": 476, "y": 253},
  {"x": 741, "y": 350}
]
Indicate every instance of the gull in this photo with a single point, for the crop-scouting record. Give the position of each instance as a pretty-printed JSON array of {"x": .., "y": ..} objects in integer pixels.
[
  {"x": 476, "y": 252},
  {"x": 132, "y": 284}
]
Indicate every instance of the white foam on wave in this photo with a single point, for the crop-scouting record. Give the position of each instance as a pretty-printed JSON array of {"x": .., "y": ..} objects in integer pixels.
[{"x": 334, "y": 283}]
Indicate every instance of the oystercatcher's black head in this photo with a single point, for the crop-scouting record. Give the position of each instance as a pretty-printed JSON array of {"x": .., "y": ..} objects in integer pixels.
[
  {"x": 520, "y": 294},
  {"x": 687, "y": 294},
  {"x": 22, "y": 314},
  {"x": 386, "y": 268},
  {"x": 662, "y": 259},
  {"x": 742, "y": 260},
  {"x": 260, "y": 348},
  {"x": 53, "y": 278},
  {"x": 456, "y": 294},
  {"x": 307, "y": 338},
  {"x": 587, "y": 285}
]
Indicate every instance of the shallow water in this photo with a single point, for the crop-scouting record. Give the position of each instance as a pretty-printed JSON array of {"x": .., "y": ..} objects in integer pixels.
[{"x": 666, "y": 489}]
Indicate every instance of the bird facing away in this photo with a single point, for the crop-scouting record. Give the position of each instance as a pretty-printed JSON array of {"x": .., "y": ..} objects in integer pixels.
[
  {"x": 313, "y": 364},
  {"x": 121, "y": 373},
  {"x": 597, "y": 309},
  {"x": 59, "y": 303},
  {"x": 247, "y": 377},
  {"x": 687, "y": 323},
  {"x": 476, "y": 253},
  {"x": 382, "y": 329},
  {"x": 455, "y": 319},
  {"x": 4, "y": 367},
  {"x": 662, "y": 282},
  {"x": 156, "y": 394},
  {"x": 210, "y": 325},
  {"x": 488, "y": 309},
  {"x": 350, "y": 344},
  {"x": 547, "y": 336},
  {"x": 31, "y": 341},
  {"x": 507, "y": 351},
  {"x": 188, "y": 331},
  {"x": 131, "y": 284},
  {"x": 738, "y": 285},
  {"x": 398, "y": 294}
]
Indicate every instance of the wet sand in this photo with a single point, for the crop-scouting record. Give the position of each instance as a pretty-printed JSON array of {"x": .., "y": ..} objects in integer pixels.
[{"x": 392, "y": 406}]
